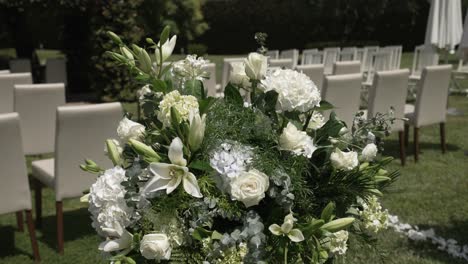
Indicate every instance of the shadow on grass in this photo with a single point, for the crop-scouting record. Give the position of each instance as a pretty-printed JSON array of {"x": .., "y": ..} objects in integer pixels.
[
  {"x": 392, "y": 148},
  {"x": 76, "y": 224},
  {"x": 7, "y": 242}
]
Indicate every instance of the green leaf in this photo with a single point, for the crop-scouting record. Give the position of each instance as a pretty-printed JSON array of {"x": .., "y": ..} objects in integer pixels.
[
  {"x": 324, "y": 105},
  {"x": 195, "y": 88},
  {"x": 232, "y": 95},
  {"x": 200, "y": 233},
  {"x": 271, "y": 98},
  {"x": 200, "y": 165},
  {"x": 205, "y": 104},
  {"x": 159, "y": 86},
  {"x": 164, "y": 35},
  {"x": 175, "y": 117},
  {"x": 327, "y": 212},
  {"x": 216, "y": 235}
]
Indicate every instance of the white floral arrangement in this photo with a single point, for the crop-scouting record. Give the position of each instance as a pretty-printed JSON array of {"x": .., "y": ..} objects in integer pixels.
[{"x": 209, "y": 180}]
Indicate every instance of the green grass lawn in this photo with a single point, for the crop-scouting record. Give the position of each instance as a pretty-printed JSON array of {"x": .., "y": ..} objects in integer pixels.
[{"x": 431, "y": 193}]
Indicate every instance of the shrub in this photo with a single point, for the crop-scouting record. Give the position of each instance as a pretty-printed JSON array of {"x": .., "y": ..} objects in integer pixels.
[{"x": 197, "y": 48}]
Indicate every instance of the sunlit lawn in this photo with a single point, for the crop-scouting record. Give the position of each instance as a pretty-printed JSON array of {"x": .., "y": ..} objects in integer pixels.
[{"x": 432, "y": 193}]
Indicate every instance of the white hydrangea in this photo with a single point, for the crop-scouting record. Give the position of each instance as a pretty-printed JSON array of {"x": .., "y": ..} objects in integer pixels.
[
  {"x": 296, "y": 91},
  {"x": 338, "y": 242},
  {"x": 344, "y": 160},
  {"x": 369, "y": 152},
  {"x": 230, "y": 159},
  {"x": 184, "y": 104},
  {"x": 316, "y": 121},
  {"x": 190, "y": 68},
  {"x": 372, "y": 215},
  {"x": 108, "y": 208},
  {"x": 296, "y": 141}
]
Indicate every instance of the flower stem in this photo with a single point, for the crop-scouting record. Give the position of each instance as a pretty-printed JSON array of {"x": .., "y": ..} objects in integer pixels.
[
  {"x": 160, "y": 61},
  {"x": 286, "y": 253},
  {"x": 306, "y": 124}
]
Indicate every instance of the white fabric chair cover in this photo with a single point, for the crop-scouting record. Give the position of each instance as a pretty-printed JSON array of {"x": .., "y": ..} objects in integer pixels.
[
  {"x": 56, "y": 70},
  {"x": 423, "y": 56},
  {"x": 380, "y": 61},
  {"x": 344, "y": 92},
  {"x": 312, "y": 56},
  {"x": 81, "y": 133},
  {"x": 314, "y": 72},
  {"x": 282, "y": 63},
  {"x": 37, "y": 105},
  {"x": 292, "y": 54},
  {"x": 273, "y": 54},
  {"x": 395, "y": 59},
  {"x": 348, "y": 54},
  {"x": 227, "y": 69},
  {"x": 431, "y": 99},
  {"x": 346, "y": 67},
  {"x": 7, "y": 86},
  {"x": 389, "y": 89},
  {"x": 367, "y": 59},
  {"x": 4, "y": 71},
  {"x": 210, "y": 84},
  {"x": 20, "y": 65},
  {"x": 330, "y": 56},
  {"x": 14, "y": 188}
]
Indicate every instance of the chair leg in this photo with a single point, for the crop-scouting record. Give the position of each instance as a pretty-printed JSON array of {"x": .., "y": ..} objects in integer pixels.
[
  {"x": 402, "y": 148},
  {"x": 59, "y": 214},
  {"x": 20, "y": 221},
  {"x": 32, "y": 235},
  {"x": 406, "y": 135},
  {"x": 416, "y": 144},
  {"x": 38, "y": 202},
  {"x": 443, "y": 145}
]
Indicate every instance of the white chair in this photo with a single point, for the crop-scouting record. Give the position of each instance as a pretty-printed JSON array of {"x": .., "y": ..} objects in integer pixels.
[
  {"x": 330, "y": 56},
  {"x": 312, "y": 56},
  {"x": 395, "y": 56},
  {"x": 20, "y": 65},
  {"x": 56, "y": 70},
  {"x": 37, "y": 105},
  {"x": 7, "y": 87},
  {"x": 5, "y": 71},
  {"x": 273, "y": 54},
  {"x": 431, "y": 103},
  {"x": 367, "y": 59},
  {"x": 348, "y": 54},
  {"x": 379, "y": 61},
  {"x": 210, "y": 84},
  {"x": 314, "y": 72},
  {"x": 389, "y": 91},
  {"x": 281, "y": 63},
  {"x": 344, "y": 92},
  {"x": 81, "y": 131},
  {"x": 423, "y": 56},
  {"x": 292, "y": 54},
  {"x": 346, "y": 67},
  {"x": 227, "y": 69},
  {"x": 15, "y": 195}
]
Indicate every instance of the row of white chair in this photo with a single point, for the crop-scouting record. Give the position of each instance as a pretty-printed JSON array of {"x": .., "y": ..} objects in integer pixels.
[{"x": 55, "y": 69}]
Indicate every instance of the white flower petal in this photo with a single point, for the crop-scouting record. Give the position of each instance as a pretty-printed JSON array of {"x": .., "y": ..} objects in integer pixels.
[
  {"x": 176, "y": 153},
  {"x": 173, "y": 184},
  {"x": 125, "y": 241},
  {"x": 155, "y": 184},
  {"x": 191, "y": 185},
  {"x": 296, "y": 235},
  {"x": 162, "y": 170},
  {"x": 275, "y": 229}
]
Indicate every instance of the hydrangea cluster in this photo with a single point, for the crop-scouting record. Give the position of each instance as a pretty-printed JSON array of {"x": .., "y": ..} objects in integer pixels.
[
  {"x": 296, "y": 91},
  {"x": 339, "y": 242},
  {"x": 107, "y": 205},
  {"x": 186, "y": 105},
  {"x": 372, "y": 215},
  {"x": 191, "y": 68},
  {"x": 231, "y": 158}
]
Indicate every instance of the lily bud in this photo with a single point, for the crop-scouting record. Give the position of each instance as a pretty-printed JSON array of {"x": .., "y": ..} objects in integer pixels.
[
  {"x": 91, "y": 167},
  {"x": 256, "y": 66},
  {"x": 145, "y": 61},
  {"x": 196, "y": 131},
  {"x": 113, "y": 152},
  {"x": 128, "y": 54},
  {"x": 148, "y": 154},
  {"x": 338, "y": 224},
  {"x": 84, "y": 198},
  {"x": 114, "y": 37}
]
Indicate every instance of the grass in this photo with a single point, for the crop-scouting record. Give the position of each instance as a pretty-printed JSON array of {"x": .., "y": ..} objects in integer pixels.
[{"x": 430, "y": 193}]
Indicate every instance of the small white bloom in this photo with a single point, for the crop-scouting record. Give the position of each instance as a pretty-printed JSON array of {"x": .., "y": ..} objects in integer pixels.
[
  {"x": 167, "y": 49},
  {"x": 338, "y": 242},
  {"x": 287, "y": 229},
  {"x": 316, "y": 121},
  {"x": 155, "y": 246},
  {"x": 119, "y": 243},
  {"x": 185, "y": 105},
  {"x": 169, "y": 176},
  {"x": 369, "y": 152},
  {"x": 296, "y": 91},
  {"x": 129, "y": 129},
  {"x": 237, "y": 75},
  {"x": 190, "y": 68},
  {"x": 250, "y": 187},
  {"x": 143, "y": 91},
  {"x": 256, "y": 66},
  {"x": 372, "y": 215},
  {"x": 296, "y": 141},
  {"x": 344, "y": 160}
]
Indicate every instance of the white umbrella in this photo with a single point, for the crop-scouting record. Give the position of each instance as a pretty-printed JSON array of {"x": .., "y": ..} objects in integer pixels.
[{"x": 444, "y": 25}]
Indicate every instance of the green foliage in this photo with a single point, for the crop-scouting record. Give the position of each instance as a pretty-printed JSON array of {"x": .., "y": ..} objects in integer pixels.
[{"x": 197, "y": 48}]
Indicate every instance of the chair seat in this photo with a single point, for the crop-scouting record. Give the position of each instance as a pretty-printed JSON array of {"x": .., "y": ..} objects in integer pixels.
[
  {"x": 415, "y": 77},
  {"x": 409, "y": 113},
  {"x": 43, "y": 170}
]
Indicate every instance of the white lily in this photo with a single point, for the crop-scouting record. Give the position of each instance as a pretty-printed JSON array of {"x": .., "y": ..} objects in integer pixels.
[
  {"x": 167, "y": 49},
  {"x": 121, "y": 243},
  {"x": 169, "y": 176},
  {"x": 287, "y": 229},
  {"x": 196, "y": 131}
]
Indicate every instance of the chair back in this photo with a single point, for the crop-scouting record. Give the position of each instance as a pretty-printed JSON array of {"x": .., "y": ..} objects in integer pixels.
[
  {"x": 14, "y": 190},
  {"x": 389, "y": 90},
  {"x": 344, "y": 92},
  {"x": 210, "y": 84},
  {"x": 20, "y": 65},
  {"x": 292, "y": 54},
  {"x": 432, "y": 93},
  {"x": 395, "y": 56},
  {"x": 81, "y": 133},
  {"x": 7, "y": 87},
  {"x": 423, "y": 56},
  {"x": 330, "y": 56},
  {"x": 56, "y": 70},
  {"x": 312, "y": 56},
  {"x": 227, "y": 69},
  {"x": 314, "y": 72},
  {"x": 367, "y": 59},
  {"x": 37, "y": 106},
  {"x": 348, "y": 54},
  {"x": 380, "y": 61},
  {"x": 346, "y": 67},
  {"x": 273, "y": 54},
  {"x": 282, "y": 63}
]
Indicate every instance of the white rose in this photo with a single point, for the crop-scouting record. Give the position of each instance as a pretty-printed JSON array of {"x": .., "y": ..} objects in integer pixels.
[
  {"x": 369, "y": 152},
  {"x": 237, "y": 75},
  {"x": 155, "y": 246},
  {"x": 296, "y": 141},
  {"x": 344, "y": 160},
  {"x": 250, "y": 187},
  {"x": 256, "y": 66},
  {"x": 130, "y": 130},
  {"x": 316, "y": 121}
]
